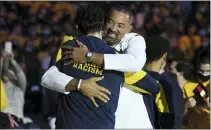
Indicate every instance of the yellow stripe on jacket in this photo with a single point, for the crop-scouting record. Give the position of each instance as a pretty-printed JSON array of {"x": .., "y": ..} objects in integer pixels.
[
  {"x": 65, "y": 39},
  {"x": 161, "y": 102},
  {"x": 3, "y": 101},
  {"x": 131, "y": 78}
]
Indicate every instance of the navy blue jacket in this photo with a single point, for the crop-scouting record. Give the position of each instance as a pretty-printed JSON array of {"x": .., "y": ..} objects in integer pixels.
[{"x": 173, "y": 93}]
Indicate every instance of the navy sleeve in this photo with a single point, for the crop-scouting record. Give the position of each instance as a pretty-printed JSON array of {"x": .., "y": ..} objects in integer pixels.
[
  {"x": 70, "y": 43},
  {"x": 149, "y": 84},
  {"x": 110, "y": 50},
  {"x": 174, "y": 97}
]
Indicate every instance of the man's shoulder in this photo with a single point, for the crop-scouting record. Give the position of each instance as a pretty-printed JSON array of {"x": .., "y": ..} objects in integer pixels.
[
  {"x": 84, "y": 39},
  {"x": 130, "y": 38}
]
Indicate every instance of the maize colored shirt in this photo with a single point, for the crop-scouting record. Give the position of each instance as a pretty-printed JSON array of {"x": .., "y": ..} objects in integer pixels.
[
  {"x": 3, "y": 101},
  {"x": 75, "y": 111},
  {"x": 190, "y": 86}
]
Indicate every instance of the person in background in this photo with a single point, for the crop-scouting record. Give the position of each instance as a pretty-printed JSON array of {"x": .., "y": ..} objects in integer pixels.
[
  {"x": 169, "y": 103},
  {"x": 15, "y": 84},
  {"x": 6, "y": 120},
  {"x": 197, "y": 113},
  {"x": 189, "y": 43},
  {"x": 183, "y": 72},
  {"x": 197, "y": 107},
  {"x": 170, "y": 32},
  {"x": 201, "y": 63}
]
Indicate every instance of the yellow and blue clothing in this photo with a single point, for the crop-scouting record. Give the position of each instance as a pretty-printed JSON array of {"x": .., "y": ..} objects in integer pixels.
[
  {"x": 166, "y": 108},
  {"x": 76, "y": 110},
  {"x": 174, "y": 99},
  {"x": 65, "y": 39},
  {"x": 190, "y": 86},
  {"x": 3, "y": 101},
  {"x": 155, "y": 104}
]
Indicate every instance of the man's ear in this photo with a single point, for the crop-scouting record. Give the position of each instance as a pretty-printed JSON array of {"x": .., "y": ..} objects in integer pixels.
[
  {"x": 130, "y": 28},
  {"x": 181, "y": 74},
  {"x": 164, "y": 57}
]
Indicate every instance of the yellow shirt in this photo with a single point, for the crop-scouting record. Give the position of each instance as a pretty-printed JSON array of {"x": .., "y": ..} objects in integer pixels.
[
  {"x": 3, "y": 101},
  {"x": 190, "y": 86},
  {"x": 161, "y": 102},
  {"x": 184, "y": 44}
]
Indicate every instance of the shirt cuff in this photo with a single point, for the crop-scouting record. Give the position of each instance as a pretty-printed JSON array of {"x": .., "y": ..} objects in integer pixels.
[
  {"x": 65, "y": 80},
  {"x": 55, "y": 80}
]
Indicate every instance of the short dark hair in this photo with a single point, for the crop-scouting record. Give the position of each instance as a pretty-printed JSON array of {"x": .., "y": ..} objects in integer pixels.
[
  {"x": 205, "y": 57},
  {"x": 89, "y": 19},
  {"x": 156, "y": 47},
  {"x": 202, "y": 56},
  {"x": 124, "y": 10},
  {"x": 186, "y": 68}
]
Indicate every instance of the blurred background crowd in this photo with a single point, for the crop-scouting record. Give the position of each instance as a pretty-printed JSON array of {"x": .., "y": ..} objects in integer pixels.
[{"x": 36, "y": 30}]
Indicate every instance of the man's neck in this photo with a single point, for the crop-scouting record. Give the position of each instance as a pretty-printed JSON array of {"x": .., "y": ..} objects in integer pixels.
[
  {"x": 182, "y": 82},
  {"x": 95, "y": 34},
  {"x": 155, "y": 67}
]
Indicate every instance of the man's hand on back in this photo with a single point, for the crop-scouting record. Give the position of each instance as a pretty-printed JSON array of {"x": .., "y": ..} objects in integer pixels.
[
  {"x": 75, "y": 54},
  {"x": 92, "y": 90}
]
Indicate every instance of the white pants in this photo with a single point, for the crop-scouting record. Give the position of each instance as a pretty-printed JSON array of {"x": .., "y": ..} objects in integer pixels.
[{"x": 131, "y": 111}]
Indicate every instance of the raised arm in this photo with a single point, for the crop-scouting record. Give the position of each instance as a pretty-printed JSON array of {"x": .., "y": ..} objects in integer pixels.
[{"x": 21, "y": 78}]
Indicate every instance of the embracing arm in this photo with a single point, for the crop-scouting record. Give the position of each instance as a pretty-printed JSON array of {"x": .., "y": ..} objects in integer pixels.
[
  {"x": 142, "y": 82},
  {"x": 132, "y": 61},
  {"x": 58, "y": 81}
]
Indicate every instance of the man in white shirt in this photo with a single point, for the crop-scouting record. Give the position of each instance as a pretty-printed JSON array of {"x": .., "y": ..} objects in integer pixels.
[{"x": 131, "y": 111}]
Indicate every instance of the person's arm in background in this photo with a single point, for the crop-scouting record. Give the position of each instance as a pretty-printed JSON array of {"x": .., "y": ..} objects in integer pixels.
[
  {"x": 5, "y": 65},
  {"x": 132, "y": 60},
  {"x": 21, "y": 78}
]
